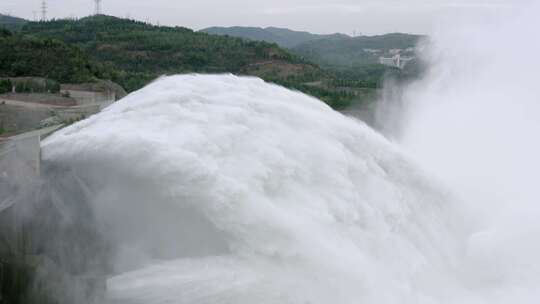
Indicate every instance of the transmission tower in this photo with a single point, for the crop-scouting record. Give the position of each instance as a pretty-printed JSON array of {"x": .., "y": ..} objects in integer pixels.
[
  {"x": 98, "y": 7},
  {"x": 43, "y": 10}
]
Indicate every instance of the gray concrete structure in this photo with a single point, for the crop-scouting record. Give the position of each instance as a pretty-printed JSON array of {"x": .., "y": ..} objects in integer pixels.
[
  {"x": 25, "y": 148},
  {"x": 102, "y": 92},
  {"x": 44, "y": 219},
  {"x": 78, "y": 112},
  {"x": 90, "y": 97}
]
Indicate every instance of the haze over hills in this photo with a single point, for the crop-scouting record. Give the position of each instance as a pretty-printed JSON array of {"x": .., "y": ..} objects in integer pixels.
[
  {"x": 11, "y": 23},
  {"x": 283, "y": 37},
  {"x": 336, "y": 51},
  {"x": 347, "y": 52}
]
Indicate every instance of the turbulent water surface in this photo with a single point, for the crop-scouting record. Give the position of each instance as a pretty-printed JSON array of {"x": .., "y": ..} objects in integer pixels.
[
  {"x": 228, "y": 189},
  {"x": 225, "y": 189}
]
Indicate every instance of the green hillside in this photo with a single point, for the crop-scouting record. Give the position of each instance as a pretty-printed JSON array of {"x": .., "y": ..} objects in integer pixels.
[
  {"x": 283, "y": 37},
  {"x": 337, "y": 51},
  {"x": 348, "y": 52},
  {"x": 140, "y": 52},
  {"x": 31, "y": 56},
  {"x": 250, "y": 33},
  {"x": 11, "y": 23},
  {"x": 133, "y": 53}
]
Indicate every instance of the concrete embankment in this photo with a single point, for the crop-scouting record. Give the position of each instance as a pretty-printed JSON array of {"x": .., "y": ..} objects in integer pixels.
[
  {"x": 44, "y": 220},
  {"x": 17, "y": 116}
]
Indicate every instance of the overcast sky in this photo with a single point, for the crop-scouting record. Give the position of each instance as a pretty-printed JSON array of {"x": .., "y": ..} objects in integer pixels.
[{"x": 319, "y": 16}]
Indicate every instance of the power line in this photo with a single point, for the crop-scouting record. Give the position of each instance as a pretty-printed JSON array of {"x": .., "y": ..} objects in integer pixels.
[
  {"x": 43, "y": 10},
  {"x": 98, "y": 7}
]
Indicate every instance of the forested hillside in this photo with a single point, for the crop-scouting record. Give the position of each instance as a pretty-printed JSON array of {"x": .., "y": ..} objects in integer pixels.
[
  {"x": 31, "y": 56},
  {"x": 133, "y": 53},
  {"x": 139, "y": 52},
  {"x": 11, "y": 23},
  {"x": 336, "y": 51},
  {"x": 352, "y": 61},
  {"x": 283, "y": 37},
  {"x": 347, "y": 52}
]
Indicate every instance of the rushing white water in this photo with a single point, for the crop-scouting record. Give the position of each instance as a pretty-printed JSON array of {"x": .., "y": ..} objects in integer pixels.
[
  {"x": 473, "y": 121},
  {"x": 220, "y": 189},
  {"x": 225, "y": 189}
]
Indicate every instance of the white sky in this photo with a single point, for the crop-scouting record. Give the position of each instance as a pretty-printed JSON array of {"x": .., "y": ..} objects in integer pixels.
[{"x": 318, "y": 16}]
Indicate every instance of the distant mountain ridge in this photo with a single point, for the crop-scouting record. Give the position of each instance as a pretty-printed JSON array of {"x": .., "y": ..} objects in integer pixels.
[
  {"x": 335, "y": 51},
  {"x": 283, "y": 37},
  {"x": 348, "y": 52},
  {"x": 11, "y": 23}
]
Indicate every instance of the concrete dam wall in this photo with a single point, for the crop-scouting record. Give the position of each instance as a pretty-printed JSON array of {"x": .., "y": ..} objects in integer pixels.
[{"x": 50, "y": 250}]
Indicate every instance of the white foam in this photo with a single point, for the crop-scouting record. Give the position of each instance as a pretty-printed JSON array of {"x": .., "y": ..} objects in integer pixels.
[
  {"x": 473, "y": 122},
  {"x": 225, "y": 189}
]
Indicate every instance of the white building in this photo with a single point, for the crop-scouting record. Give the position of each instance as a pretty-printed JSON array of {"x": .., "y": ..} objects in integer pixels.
[
  {"x": 389, "y": 61},
  {"x": 396, "y": 61}
]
